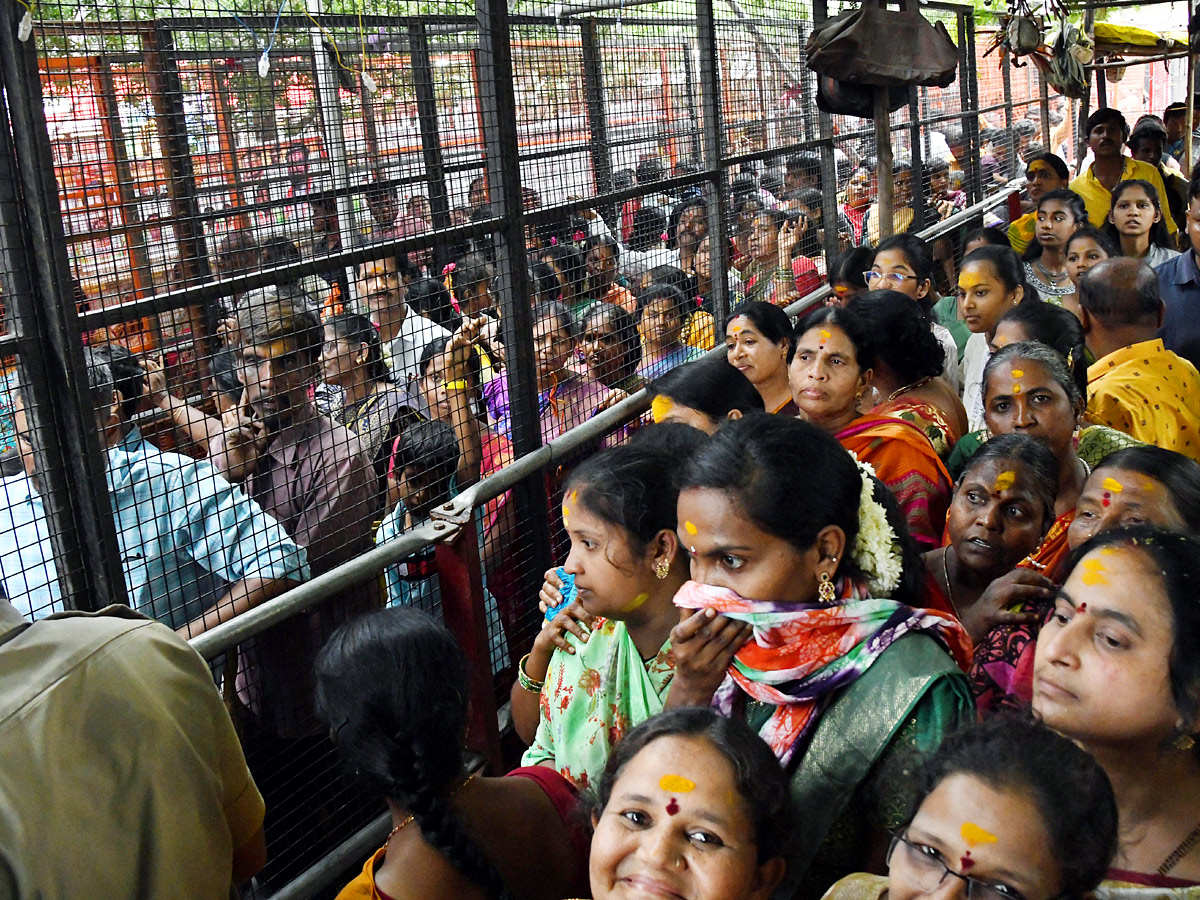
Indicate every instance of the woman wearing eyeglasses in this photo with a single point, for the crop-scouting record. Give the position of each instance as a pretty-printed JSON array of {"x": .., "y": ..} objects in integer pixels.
[
  {"x": 904, "y": 263},
  {"x": 1006, "y": 810}
]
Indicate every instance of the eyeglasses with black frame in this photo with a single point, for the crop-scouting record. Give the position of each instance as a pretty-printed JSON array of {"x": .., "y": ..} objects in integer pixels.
[{"x": 922, "y": 867}]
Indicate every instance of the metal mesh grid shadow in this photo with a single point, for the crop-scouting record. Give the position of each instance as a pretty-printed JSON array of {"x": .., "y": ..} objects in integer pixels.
[{"x": 314, "y": 294}]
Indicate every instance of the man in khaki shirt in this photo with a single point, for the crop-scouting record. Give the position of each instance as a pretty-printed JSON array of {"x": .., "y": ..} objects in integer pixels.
[{"x": 122, "y": 774}]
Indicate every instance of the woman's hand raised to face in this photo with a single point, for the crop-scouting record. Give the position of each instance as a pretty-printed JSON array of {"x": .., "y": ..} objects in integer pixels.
[
  {"x": 457, "y": 355},
  {"x": 704, "y": 644},
  {"x": 994, "y": 606}
]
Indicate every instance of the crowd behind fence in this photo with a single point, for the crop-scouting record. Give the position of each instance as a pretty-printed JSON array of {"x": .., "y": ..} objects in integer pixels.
[{"x": 476, "y": 234}]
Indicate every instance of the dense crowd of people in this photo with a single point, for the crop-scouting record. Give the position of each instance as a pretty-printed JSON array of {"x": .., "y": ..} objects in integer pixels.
[{"x": 898, "y": 598}]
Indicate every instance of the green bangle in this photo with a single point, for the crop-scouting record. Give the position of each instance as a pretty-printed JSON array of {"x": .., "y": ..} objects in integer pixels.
[{"x": 527, "y": 683}]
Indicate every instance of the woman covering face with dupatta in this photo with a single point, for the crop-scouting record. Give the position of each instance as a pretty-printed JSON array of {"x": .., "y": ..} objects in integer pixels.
[{"x": 792, "y": 557}]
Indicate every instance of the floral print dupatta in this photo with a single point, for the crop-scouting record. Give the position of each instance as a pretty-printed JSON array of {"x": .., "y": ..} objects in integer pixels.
[
  {"x": 592, "y": 697},
  {"x": 801, "y": 654}
]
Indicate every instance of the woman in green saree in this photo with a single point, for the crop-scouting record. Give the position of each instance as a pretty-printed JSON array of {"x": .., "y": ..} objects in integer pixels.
[
  {"x": 792, "y": 555},
  {"x": 604, "y": 664}
]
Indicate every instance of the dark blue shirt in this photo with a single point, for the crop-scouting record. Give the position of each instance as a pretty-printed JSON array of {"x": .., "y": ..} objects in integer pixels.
[{"x": 1179, "y": 283}]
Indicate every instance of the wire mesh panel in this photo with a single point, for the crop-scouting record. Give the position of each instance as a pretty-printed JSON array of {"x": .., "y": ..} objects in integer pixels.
[{"x": 322, "y": 270}]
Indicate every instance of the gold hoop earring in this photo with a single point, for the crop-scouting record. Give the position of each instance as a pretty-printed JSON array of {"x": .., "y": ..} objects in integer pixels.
[
  {"x": 825, "y": 589},
  {"x": 1184, "y": 742},
  {"x": 662, "y": 569}
]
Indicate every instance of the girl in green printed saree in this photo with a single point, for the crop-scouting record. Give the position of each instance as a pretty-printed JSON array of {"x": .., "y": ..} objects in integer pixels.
[
  {"x": 791, "y": 558},
  {"x": 604, "y": 664}
]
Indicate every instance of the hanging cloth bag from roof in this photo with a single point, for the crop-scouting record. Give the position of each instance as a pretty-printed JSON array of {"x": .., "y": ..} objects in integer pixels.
[
  {"x": 876, "y": 46},
  {"x": 1067, "y": 75},
  {"x": 843, "y": 98}
]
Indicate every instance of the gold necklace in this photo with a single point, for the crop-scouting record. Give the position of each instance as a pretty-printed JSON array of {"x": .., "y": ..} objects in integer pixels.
[
  {"x": 409, "y": 820},
  {"x": 908, "y": 387},
  {"x": 392, "y": 833}
]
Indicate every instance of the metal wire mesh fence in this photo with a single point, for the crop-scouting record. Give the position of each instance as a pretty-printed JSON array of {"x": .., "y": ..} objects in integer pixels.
[{"x": 281, "y": 283}]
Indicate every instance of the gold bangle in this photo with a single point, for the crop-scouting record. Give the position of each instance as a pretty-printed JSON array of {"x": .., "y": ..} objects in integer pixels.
[
  {"x": 527, "y": 683},
  {"x": 459, "y": 385}
]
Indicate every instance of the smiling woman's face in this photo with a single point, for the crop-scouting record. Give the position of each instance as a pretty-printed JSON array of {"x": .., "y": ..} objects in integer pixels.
[{"x": 676, "y": 827}]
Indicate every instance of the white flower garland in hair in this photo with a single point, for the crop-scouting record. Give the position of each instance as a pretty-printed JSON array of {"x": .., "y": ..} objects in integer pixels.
[{"x": 876, "y": 548}]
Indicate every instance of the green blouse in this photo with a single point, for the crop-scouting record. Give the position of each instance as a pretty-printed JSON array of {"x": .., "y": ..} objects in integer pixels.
[{"x": 852, "y": 781}]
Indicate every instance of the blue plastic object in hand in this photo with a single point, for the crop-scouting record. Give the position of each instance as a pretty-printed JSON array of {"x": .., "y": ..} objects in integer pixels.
[{"x": 567, "y": 590}]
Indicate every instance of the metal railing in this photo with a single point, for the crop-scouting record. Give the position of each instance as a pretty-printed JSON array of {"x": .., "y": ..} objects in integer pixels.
[{"x": 452, "y": 528}]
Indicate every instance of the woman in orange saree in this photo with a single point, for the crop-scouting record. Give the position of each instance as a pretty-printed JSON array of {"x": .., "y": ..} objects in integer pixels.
[{"x": 830, "y": 371}]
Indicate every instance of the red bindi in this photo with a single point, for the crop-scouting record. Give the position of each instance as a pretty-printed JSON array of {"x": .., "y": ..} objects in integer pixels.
[
  {"x": 1081, "y": 608},
  {"x": 672, "y": 807},
  {"x": 1105, "y": 499},
  {"x": 966, "y": 862}
]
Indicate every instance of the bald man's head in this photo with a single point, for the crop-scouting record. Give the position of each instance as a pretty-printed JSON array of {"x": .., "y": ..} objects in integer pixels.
[{"x": 1121, "y": 292}]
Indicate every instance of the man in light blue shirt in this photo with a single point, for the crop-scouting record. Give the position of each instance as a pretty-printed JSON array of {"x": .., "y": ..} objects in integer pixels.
[{"x": 195, "y": 549}]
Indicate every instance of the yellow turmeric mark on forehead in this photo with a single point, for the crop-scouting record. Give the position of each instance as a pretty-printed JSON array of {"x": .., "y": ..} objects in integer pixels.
[
  {"x": 1111, "y": 484},
  {"x": 969, "y": 280},
  {"x": 825, "y": 335},
  {"x": 691, "y": 529},
  {"x": 1018, "y": 373},
  {"x": 676, "y": 784},
  {"x": 1016, "y": 388},
  {"x": 974, "y": 835},
  {"x": 660, "y": 407},
  {"x": 1094, "y": 572},
  {"x": 1037, "y": 166},
  {"x": 1004, "y": 481}
]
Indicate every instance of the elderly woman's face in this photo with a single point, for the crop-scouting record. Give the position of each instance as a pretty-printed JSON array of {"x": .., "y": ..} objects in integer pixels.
[{"x": 825, "y": 376}]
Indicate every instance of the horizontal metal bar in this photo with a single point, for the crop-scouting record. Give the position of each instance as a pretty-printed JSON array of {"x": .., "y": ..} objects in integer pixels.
[
  {"x": 229, "y": 634},
  {"x": 157, "y": 304},
  {"x": 233, "y": 632},
  {"x": 1138, "y": 60},
  {"x": 347, "y": 855},
  {"x": 963, "y": 216}
]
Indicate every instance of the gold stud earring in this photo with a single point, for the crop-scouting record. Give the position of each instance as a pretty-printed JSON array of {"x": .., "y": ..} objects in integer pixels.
[
  {"x": 1184, "y": 742},
  {"x": 662, "y": 569},
  {"x": 825, "y": 589}
]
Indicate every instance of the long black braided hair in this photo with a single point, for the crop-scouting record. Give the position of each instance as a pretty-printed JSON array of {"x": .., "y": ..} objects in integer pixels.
[{"x": 392, "y": 686}]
